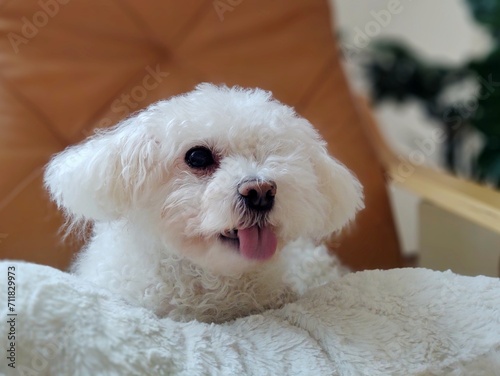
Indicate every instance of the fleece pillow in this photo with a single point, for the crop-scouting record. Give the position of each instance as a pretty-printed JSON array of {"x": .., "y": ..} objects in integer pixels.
[{"x": 396, "y": 322}]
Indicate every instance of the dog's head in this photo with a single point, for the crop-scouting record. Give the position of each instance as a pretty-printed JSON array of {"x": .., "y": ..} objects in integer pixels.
[{"x": 224, "y": 176}]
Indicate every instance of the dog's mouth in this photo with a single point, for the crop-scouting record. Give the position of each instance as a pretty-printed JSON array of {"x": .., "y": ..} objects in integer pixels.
[{"x": 255, "y": 242}]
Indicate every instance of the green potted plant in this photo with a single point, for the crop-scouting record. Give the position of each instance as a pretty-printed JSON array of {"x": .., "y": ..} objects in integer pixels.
[{"x": 395, "y": 72}]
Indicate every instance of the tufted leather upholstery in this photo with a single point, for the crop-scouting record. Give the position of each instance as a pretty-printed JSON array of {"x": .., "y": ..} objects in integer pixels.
[{"x": 67, "y": 67}]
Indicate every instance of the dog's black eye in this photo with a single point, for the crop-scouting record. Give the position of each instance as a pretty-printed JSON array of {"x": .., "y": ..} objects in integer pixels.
[{"x": 199, "y": 157}]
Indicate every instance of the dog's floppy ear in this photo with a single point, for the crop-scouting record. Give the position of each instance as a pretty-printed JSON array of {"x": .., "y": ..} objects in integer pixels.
[
  {"x": 341, "y": 190},
  {"x": 100, "y": 178}
]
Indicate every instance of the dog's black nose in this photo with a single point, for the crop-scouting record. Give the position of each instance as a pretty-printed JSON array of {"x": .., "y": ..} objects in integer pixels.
[{"x": 258, "y": 194}]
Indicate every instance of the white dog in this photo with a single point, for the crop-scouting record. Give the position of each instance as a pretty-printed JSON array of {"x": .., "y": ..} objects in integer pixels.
[{"x": 192, "y": 200}]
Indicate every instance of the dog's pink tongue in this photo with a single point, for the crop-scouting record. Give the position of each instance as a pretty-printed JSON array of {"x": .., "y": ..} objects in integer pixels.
[{"x": 257, "y": 243}]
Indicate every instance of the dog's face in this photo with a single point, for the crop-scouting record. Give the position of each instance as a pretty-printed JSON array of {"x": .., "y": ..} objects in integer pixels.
[{"x": 224, "y": 176}]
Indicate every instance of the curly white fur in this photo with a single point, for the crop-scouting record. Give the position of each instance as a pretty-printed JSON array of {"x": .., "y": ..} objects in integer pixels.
[{"x": 158, "y": 222}]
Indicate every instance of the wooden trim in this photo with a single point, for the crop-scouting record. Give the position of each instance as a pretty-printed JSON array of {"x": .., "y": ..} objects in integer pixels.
[{"x": 477, "y": 203}]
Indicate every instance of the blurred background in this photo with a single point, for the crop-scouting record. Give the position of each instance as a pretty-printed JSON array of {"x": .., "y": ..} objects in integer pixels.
[
  {"x": 431, "y": 71},
  {"x": 404, "y": 92}
]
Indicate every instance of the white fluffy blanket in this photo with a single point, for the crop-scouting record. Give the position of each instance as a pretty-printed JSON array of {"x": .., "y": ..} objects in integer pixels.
[{"x": 397, "y": 322}]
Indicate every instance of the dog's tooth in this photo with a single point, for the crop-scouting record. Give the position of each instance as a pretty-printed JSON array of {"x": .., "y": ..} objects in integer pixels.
[{"x": 233, "y": 234}]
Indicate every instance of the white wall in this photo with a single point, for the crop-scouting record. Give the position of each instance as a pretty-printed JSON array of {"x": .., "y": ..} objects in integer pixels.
[{"x": 441, "y": 30}]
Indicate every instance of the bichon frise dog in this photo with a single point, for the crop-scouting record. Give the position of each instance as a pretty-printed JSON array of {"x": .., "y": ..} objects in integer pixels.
[{"x": 192, "y": 200}]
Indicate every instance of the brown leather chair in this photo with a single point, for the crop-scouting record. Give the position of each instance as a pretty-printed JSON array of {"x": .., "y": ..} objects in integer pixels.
[{"x": 67, "y": 67}]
